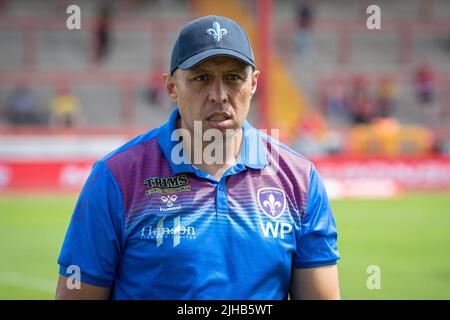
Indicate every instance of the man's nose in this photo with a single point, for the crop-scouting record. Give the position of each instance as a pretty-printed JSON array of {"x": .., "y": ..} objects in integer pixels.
[{"x": 218, "y": 92}]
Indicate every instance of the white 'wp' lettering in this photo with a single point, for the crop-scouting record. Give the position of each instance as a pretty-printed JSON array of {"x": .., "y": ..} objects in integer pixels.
[{"x": 281, "y": 228}]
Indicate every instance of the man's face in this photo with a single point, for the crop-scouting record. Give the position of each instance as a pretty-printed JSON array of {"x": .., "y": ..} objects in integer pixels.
[{"x": 216, "y": 92}]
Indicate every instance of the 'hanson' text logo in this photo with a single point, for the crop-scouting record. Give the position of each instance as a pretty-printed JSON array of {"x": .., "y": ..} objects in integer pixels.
[{"x": 161, "y": 232}]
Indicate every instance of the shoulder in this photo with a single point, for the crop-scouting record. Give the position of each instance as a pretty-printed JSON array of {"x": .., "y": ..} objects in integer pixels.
[
  {"x": 286, "y": 157},
  {"x": 132, "y": 151},
  {"x": 290, "y": 168}
]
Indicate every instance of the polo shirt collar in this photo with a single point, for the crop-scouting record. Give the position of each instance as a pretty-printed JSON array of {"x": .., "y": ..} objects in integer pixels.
[{"x": 252, "y": 154}]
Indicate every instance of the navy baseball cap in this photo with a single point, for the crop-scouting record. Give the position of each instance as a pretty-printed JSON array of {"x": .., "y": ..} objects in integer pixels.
[{"x": 207, "y": 37}]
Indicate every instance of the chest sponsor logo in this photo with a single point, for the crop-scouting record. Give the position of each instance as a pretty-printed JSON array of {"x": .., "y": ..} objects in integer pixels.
[
  {"x": 166, "y": 185},
  {"x": 272, "y": 201},
  {"x": 165, "y": 229}
]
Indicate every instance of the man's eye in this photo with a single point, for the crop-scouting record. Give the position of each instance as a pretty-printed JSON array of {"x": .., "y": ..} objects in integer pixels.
[
  {"x": 201, "y": 78},
  {"x": 233, "y": 77}
]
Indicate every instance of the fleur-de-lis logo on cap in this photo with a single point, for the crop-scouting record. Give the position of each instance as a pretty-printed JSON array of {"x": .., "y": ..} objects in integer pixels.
[
  {"x": 169, "y": 200},
  {"x": 216, "y": 31}
]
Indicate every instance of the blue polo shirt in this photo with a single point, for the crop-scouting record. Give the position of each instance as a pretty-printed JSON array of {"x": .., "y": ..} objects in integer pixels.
[{"x": 151, "y": 226}]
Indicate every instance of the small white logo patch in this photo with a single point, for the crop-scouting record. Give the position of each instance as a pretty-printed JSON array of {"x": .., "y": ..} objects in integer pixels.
[
  {"x": 216, "y": 31},
  {"x": 169, "y": 200}
]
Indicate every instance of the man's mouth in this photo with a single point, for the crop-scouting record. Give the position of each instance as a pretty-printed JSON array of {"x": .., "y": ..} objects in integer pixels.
[
  {"x": 219, "y": 120},
  {"x": 218, "y": 116}
]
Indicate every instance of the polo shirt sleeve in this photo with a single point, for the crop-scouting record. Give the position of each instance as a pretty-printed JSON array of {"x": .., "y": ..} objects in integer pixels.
[
  {"x": 316, "y": 244},
  {"x": 94, "y": 237}
]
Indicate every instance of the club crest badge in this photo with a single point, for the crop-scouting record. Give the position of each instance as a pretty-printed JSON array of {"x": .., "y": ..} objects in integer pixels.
[
  {"x": 272, "y": 201},
  {"x": 216, "y": 31}
]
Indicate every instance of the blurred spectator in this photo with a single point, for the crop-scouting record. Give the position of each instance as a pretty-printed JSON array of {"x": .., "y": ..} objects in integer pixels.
[
  {"x": 65, "y": 108},
  {"x": 103, "y": 33},
  {"x": 155, "y": 90},
  {"x": 425, "y": 82},
  {"x": 303, "y": 35},
  {"x": 360, "y": 102},
  {"x": 20, "y": 106},
  {"x": 335, "y": 99},
  {"x": 386, "y": 97}
]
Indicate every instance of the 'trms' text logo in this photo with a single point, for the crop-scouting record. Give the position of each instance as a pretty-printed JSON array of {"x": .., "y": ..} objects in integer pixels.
[{"x": 166, "y": 185}]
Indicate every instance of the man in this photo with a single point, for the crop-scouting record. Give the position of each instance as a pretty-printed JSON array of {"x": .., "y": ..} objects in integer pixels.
[
  {"x": 65, "y": 108},
  {"x": 21, "y": 106},
  {"x": 204, "y": 207}
]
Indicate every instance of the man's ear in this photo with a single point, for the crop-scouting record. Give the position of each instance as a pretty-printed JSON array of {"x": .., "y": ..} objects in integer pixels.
[
  {"x": 169, "y": 84},
  {"x": 255, "y": 75}
]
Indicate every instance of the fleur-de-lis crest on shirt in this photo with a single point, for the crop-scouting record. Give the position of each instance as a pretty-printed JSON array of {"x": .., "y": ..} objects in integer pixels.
[
  {"x": 216, "y": 31},
  {"x": 169, "y": 200},
  {"x": 272, "y": 204},
  {"x": 272, "y": 201}
]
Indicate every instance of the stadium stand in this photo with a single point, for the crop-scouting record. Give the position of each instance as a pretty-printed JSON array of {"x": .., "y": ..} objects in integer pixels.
[{"x": 37, "y": 47}]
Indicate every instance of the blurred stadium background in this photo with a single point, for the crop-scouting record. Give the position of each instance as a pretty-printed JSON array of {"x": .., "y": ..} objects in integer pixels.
[{"x": 370, "y": 107}]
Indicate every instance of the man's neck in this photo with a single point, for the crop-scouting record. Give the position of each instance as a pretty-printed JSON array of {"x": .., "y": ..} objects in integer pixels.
[
  {"x": 213, "y": 157},
  {"x": 230, "y": 150}
]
